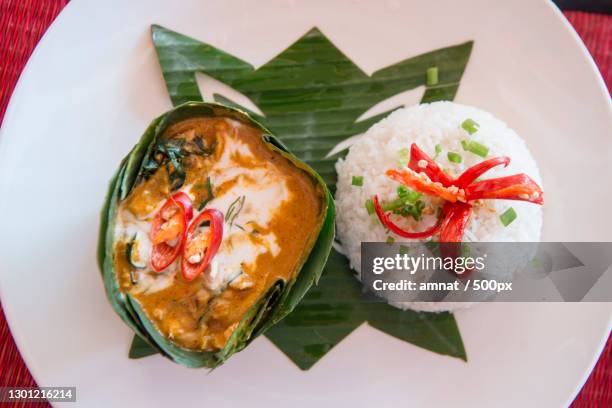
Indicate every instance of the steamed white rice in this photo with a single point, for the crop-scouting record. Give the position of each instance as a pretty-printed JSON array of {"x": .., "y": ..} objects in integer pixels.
[{"x": 428, "y": 125}]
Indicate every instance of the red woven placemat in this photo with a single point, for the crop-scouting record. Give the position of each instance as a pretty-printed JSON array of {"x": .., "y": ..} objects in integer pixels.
[{"x": 23, "y": 22}]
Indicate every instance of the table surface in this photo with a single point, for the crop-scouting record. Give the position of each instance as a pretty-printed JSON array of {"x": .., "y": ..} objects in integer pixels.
[{"x": 22, "y": 24}]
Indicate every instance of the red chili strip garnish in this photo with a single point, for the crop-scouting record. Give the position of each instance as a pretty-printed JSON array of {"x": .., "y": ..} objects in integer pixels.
[
  {"x": 457, "y": 192},
  {"x": 516, "y": 187},
  {"x": 413, "y": 180},
  {"x": 433, "y": 171},
  {"x": 453, "y": 227},
  {"x": 168, "y": 230},
  {"x": 456, "y": 217},
  {"x": 386, "y": 221},
  {"x": 200, "y": 247},
  {"x": 472, "y": 173}
]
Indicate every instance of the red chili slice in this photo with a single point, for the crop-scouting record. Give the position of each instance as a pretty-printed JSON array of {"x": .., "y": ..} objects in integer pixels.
[
  {"x": 203, "y": 248},
  {"x": 169, "y": 225},
  {"x": 472, "y": 173},
  {"x": 516, "y": 187},
  {"x": 384, "y": 218},
  {"x": 184, "y": 199},
  {"x": 433, "y": 171}
]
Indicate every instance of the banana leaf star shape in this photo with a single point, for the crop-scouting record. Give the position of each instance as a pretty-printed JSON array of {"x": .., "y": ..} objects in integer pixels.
[{"x": 311, "y": 96}]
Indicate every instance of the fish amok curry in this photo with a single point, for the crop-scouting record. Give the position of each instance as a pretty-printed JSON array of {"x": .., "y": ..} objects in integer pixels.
[{"x": 214, "y": 219}]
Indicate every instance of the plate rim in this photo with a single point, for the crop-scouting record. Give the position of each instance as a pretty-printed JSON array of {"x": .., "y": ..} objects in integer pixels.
[{"x": 603, "y": 89}]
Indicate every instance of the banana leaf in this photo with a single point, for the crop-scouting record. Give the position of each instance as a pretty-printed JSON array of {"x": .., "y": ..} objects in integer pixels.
[
  {"x": 312, "y": 96},
  {"x": 276, "y": 303}
]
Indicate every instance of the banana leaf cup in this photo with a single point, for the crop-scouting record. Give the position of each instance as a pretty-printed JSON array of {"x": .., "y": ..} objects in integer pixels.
[{"x": 277, "y": 300}]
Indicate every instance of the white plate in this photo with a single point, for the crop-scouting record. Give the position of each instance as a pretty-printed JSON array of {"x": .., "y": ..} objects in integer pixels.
[{"x": 93, "y": 85}]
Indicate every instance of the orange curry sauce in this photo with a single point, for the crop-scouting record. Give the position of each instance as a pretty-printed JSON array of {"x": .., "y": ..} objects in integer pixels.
[{"x": 268, "y": 240}]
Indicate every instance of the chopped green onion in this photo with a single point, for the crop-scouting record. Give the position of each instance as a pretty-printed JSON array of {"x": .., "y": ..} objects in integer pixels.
[
  {"x": 454, "y": 157},
  {"x": 438, "y": 151},
  {"x": 404, "y": 156},
  {"x": 408, "y": 210},
  {"x": 413, "y": 196},
  {"x": 403, "y": 250},
  {"x": 369, "y": 205},
  {"x": 418, "y": 208},
  {"x": 432, "y": 76},
  {"x": 474, "y": 147},
  {"x": 357, "y": 181},
  {"x": 390, "y": 240},
  {"x": 402, "y": 205},
  {"x": 508, "y": 216},
  {"x": 393, "y": 205},
  {"x": 408, "y": 195},
  {"x": 470, "y": 126}
]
